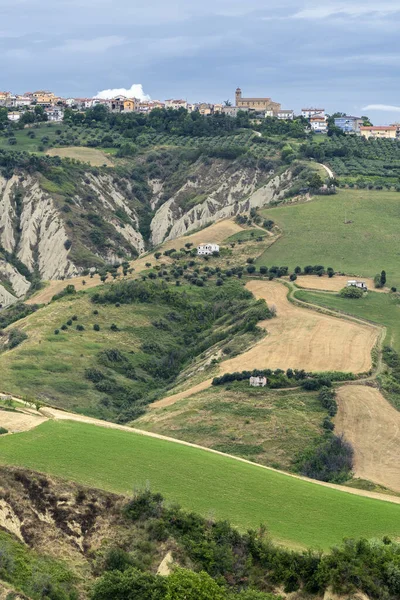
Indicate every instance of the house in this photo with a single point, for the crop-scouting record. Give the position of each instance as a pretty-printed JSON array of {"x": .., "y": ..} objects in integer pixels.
[
  {"x": 349, "y": 124},
  {"x": 122, "y": 104},
  {"x": 318, "y": 124},
  {"x": 232, "y": 111},
  {"x": 388, "y": 132},
  {"x": 4, "y": 98},
  {"x": 308, "y": 113},
  {"x": 285, "y": 115},
  {"x": 205, "y": 109},
  {"x": 43, "y": 98},
  {"x": 14, "y": 116},
  {"x": 176, "y": 104},
  {"x": 357, "y": 284},
  {"x": 54, "y": 114},
  {"x": 258, "y": 104},
  {"x": 207, "y": 249},
  {"x": 258, "y": 381}
]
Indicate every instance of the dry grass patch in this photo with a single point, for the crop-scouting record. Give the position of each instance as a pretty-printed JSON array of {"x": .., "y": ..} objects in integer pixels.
[
  {"x": 372, "y": 425},
  {"x": 94, "y": 157}
]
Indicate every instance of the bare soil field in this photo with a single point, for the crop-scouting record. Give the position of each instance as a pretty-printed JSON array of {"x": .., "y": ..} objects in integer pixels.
[
  {"x": 15, "y": 422},
  {"x": 372, "y": 426},
  {"x": 94, "y": 157},
  {"x": 332, "y": 284},
  {"x": 300, "y": 338},
  {"x": 216, "y": 233}
]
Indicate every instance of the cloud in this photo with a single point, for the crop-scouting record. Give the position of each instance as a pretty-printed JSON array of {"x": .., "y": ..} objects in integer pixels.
[
  {"x": 382, "y": 107},
  {"x": 93, "y": 46},
  {"x": 135, "y": 91},
  {"x": 350, "y": 10}
]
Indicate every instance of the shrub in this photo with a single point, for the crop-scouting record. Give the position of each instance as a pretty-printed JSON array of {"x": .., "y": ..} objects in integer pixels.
[
  {"x": 293, "y": 277},
  {"x": 351, "y": 292},
  {"x": 56, "y": 331},
  {"x": 64, "y": 327},
  {"x": 3, "y": 430},
  {"x": 80, "y": 328},
  {"x": 96, "y": 327},
  {"x": 331, "y": 461},
  {"x": 16, "y": 337},
  {"x": 114, "y": 327}
]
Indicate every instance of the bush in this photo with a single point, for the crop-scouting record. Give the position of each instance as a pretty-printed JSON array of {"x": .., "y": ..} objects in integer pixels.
[
  {"x": 293, "y": 277},
  {"x": 351, "y": 292},
  {"x": 114, "y": 327},
  {"x": 80, "y": 328},
  {"x": 331, "y": 461},
  {"x": 56, "y": 331},
  {"x": 96, "y": 327},
  {"x": 16, "y": 337},
  {"x": 3, "y": 430}
]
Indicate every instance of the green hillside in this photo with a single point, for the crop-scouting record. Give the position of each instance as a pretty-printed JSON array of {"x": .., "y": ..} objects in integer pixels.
[
  {"x": 110, "y": 351},
  {"x": 316, "y": 233},
  {"x": 295, "y": 512}
]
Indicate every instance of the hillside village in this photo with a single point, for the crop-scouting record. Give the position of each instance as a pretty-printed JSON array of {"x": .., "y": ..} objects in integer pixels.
[{"x": 52, "y": 108}]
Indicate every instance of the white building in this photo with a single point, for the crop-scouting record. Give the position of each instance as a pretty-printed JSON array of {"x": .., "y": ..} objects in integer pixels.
[
  {"x": 14, "y": 116},
  {"x": 55, "y": 114},
  {"x": 307, "y": 113},
  {"x": 286, "y": 115},
  {"x": 258, "y": 381},
  {"x": 207, "y": 249},
  {"x": 358, "y": 284},
  {"x": 319, "y": 124},
  {"x": 176, "y": 104}
]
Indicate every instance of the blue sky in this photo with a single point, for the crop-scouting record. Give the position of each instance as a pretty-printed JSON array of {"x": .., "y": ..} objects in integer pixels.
[{"x": 340, "y": 55}]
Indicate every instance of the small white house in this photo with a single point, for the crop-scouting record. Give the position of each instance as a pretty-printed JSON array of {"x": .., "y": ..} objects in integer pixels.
[
  {"x": 358, "y": 284},
  {"x": 258, "y": 381},
  {"x": 14, "y": 116},
  {"x": 207, "y": 249}
]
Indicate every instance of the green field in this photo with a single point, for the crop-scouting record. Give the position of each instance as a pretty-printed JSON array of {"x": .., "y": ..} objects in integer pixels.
[
  {"x": 383, "y": 309},
  {"x": 315, "y": 233},
  {"x": 296, "y": 512}
]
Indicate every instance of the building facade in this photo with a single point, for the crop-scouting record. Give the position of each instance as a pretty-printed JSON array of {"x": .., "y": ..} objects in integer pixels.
[
  {"x": 258, "y": 381},
  {"x": 257, "y": 104},
  {"x": 389, "y": 132},
  {"x": 318, "y": 124},
  {"x": 349, "y": 124},
  {"x": 207, "y": 249},
  {"x": 308, "y": 113}
]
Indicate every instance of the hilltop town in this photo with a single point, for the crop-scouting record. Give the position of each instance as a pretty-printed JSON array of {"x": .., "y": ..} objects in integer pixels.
[{"x": 52, "y": 108}]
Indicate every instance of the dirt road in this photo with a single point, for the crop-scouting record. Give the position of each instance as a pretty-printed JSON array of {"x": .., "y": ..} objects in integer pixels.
[
  {"x": 15, "y": 422},
  {"x": 372, "y": 426},
  {"x": 331, "y": 284}
]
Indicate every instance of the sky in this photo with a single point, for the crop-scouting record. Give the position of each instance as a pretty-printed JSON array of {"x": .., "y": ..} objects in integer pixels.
[{"x": 340, "y": 55}]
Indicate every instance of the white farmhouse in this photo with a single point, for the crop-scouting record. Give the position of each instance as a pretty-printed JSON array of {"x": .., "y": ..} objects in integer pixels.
[
  {"x": 358, "y": 284},
  {"x": 207, "y": 249},
  {"x": 258, "y": 381}
]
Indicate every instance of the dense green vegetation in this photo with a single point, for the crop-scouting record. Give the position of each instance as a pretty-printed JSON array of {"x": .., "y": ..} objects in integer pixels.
[
  {"x": 358, "y": 161},
  {"x": 355, "y": 231},
  {"x": 126, "y": 343},
  {"x": 36, "y": 575},
  {"x": 295, "y": 512}
]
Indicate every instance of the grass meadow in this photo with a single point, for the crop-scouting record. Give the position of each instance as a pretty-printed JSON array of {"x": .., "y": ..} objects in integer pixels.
[
  {"x": 271, "y": 427},
  {"x": 316, "y": 233},
  {"x": 296, "y": 512}
]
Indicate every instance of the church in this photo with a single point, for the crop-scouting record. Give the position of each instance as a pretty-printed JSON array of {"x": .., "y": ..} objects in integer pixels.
[{"x": 258, "y": 104}]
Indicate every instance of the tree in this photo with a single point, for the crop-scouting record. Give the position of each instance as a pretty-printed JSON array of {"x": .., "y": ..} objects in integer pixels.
[
  {"x": 263, "y": 270},
  {"x": 351, "y": 292},
  {"x": 227, "y": 103},
  {"x": 383, "y": 278},
  {"x": 366, "y": 121},
  {"x": 293, "y": 277},
  {"x": 183, "y": 584},
  {"x": 315, "y": 182},
  {"x": 130, "y": 584},
  {"x": 297, "y": 270},
  {"x": 250, "y": 269}
]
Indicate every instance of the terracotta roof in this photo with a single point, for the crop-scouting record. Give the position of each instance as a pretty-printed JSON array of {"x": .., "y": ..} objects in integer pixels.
[{"x": 380, "y": 128}]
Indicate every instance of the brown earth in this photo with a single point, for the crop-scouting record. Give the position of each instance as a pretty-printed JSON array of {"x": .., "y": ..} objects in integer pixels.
[
  {"x": 372, "y": 426},
  {"x": 216, "y": 233},
  {"x": 297, "y": 338},
  {"x": 94, "y": 157},
  {"x": 15, "y": 422},
  {"x": 300, "y": 338},
  {"x": 332, "y": 284}
]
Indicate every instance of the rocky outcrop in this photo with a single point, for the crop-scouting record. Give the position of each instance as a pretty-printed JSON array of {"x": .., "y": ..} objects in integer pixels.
[
  {"x": 19, "y": 284},
  {"x": 236, "y": 193}
]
